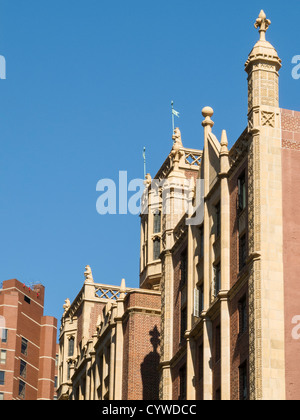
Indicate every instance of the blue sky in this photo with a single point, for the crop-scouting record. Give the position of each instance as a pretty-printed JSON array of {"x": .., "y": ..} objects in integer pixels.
[{"x": 89, "y": 84}]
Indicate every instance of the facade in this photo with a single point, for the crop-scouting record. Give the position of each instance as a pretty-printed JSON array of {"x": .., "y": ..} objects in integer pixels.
[
  {"x": 27, "y": 344},
  {"x": 109, "y": 344},
  {"x": 218, "y": 269}
]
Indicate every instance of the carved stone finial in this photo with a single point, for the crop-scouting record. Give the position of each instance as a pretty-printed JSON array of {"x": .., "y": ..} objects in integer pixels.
[
  {"x": 88, "y": 274},
  {"x": 67, "y": 305},
  {"x": 263, "y": 24},
  {"x": 177, "y": 136}
]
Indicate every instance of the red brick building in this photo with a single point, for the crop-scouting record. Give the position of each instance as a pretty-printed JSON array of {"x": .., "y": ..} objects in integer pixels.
[{"x": 27, "y": 344}]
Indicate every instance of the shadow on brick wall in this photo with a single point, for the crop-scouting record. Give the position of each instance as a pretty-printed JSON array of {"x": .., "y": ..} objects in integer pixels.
[{"x": 149, "y": 368}]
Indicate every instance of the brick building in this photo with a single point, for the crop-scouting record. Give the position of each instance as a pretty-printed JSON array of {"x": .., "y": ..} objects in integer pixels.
[
  {"x": 219, "y": 269},
  {"x": 27, "y": 343}
]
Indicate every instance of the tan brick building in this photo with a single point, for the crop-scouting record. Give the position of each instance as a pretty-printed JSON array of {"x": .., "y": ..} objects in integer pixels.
[
  {"x": 27, "y": 344},
  {"x": 219, "y": 289}
]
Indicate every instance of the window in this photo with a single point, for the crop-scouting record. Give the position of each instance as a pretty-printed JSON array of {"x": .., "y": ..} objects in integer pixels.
[
  {"x": 55, "y": 382},
  {"x": 24, "y": 346},
  {"x": 198, "y": 301},
  {"x": 182, "y": 379},
  {"x": 218, "y": 219},
  {"x": 68, "y": 371},
  {"x": 4, "y": 335},
  {"x": 156, "y": 249},
  {"x": 3, "y": 357},
  {"x": 183, "y": 269},
  {"x": 217, "y": 279},
  {"x": 183, "y": 323},
  {"x": 56, "y": 360},
  {"x": 22, "y": 386},
  {"x": 1, "y": 396},
  {"x": 27, "y": 299},
  {"x": 243, "y": 252},
  {"x": 157, "y": 222},
  {"x": 201, "y": 242},
  {"x": 243, "y": 316},
  {"x": 71, "y": 347},
  {"x": 23, "y": 368},
  {"x": 242, "y": 192},
  {"x": 243, "y": 379},
  {"x": 2, "y": 377}
]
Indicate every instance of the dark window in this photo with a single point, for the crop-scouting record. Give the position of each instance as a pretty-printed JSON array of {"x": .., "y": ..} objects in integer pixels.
[
  {"x": 201, "y": 242},
  {"x": 4, "y": 335},
  {"x": 55, "y": 382},
  {"x": 157, "y": 222},
  {"x": 242, "y": 192},
  {"x": 27, "y": 299},
  {"x": 156, "y": 249},
  {"x": 183, "y": 269},
  {"x": 183, "y": 323},
  {"x": 182, "y": 378},
  {"x": 71, "y": 347},
  {"x": 24, "y": 346},
  {"x": 22, "y": 386},
  {"x": 217, "y": 343},
  {"x": 218, "y": 220},
  {"x": 217, "y": 279},
  {"x": 243, "y": 379},
  {"x": 243, "y": 316},
  {"x": 243, "y": 251},
  {"x": 2, "y": 377},
  {"x": 23, "y": 368}
]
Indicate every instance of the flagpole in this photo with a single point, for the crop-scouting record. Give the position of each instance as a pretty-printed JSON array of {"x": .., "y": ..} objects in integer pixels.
[
  {"x": 173, "y": 122},
  {"x": 144, "y": 156}
]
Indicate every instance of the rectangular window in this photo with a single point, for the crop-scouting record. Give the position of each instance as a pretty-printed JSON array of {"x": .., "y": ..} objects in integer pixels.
[
  {"x": 198, "y": 301},
  {"x": 2, "y": 377},
  {"x": 27, "y": 299},
  {"x": 22, "y": 386},
  {"x": 3, "y": 357},
  {"x": 1, "y": 396},
  {"x": 217, "y": 279},
  {"x": 4, "y": 335},
  {"x": 24, "y": 346},
  {"x": 201, "y": 242},
  {"x": 157, "y": 222},
  {"x": 243, "y": 379},
  {"x": 183, "y": 269},
  {"x": 242, "y": 252},
  {"x": 242, "y": 192},
  {"x": 243, "y": 315},
  {"x": 71, "y": 347},
  {"x": 183, "y": 323},
  {"x": 23, "y": 369},
  {"x": 156, "y": 249}
]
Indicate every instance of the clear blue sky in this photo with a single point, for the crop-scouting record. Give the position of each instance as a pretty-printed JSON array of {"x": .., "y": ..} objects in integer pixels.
[{"x": 89, "y": 84}]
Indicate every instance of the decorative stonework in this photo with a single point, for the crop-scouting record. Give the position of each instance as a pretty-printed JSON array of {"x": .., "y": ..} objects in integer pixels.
[
  {"x": 255, "y": 322},
  {"x": 268, "y": 119}
]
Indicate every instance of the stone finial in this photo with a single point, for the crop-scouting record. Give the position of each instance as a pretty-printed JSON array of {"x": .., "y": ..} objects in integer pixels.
[
  {"x": 177, "y": 136},
  {"x": 207, "y": 113},
  {"x": 67, "y": 305},
  {"x": 263, "y": 24},
  {"x": 88, "y": 275},
  {"x": 224, "y": 142}
]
